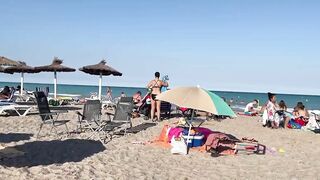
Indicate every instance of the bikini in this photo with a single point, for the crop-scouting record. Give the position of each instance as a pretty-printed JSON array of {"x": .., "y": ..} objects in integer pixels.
[{"x": 156, "y": 85}]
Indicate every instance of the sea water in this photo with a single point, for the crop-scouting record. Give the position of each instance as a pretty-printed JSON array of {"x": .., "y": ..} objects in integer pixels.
[{"x": 239, "y": 99}]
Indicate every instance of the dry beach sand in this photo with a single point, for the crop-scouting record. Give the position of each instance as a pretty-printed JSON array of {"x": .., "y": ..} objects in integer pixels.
[{"x": 75, "y": 157}]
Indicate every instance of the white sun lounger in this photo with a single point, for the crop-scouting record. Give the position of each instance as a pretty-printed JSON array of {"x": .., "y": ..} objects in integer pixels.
[{"x": 21, "y": 110}]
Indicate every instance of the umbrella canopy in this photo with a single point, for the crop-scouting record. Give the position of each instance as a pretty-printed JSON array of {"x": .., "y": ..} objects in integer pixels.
[
  {"x": 7, "y": 62},
  {"x": 55, "y": 67},
  {"x": 197, "y": 98},
  {"x": 2, "y": 70},
  {"x": 22, "y": 68},
  {"x": 100, "y": 69}
]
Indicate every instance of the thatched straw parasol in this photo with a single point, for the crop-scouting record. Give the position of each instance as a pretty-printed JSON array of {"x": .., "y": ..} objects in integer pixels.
[
  {"x": 2, "y": 70},
  {"x": 21, "y": 68},
  {"x": 100, "y": 69},
  {"x": 7, "y": 62},
  {"x": 55, "y": 67}
]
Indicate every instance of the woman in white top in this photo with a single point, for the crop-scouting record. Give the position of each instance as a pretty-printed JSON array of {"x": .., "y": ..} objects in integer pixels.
[{"x": 249, "y": 110}]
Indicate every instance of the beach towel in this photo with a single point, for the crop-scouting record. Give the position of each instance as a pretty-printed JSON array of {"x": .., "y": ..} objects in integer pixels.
[
  {"x": 205, "y": 131},
  {"x": 164, "y": 134},
  {"x": 175, "y": 132},
  {"x": 297, "y": 123}
]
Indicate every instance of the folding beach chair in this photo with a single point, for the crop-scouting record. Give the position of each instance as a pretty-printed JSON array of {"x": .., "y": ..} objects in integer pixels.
[
  {"x": 165, "y": 109},
  {"x": 90, "y": 119},
  {"x": 48, "y": 117},
  {"x": 121, "y": 120}
]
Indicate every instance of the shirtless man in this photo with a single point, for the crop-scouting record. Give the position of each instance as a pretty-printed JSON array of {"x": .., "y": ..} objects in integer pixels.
[{"x": 155, "y": 86}]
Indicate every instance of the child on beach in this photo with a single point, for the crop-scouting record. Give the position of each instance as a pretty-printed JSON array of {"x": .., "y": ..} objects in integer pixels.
[
  {"x": 270, "y": 110},
  {"x": 283, "y": 114}
]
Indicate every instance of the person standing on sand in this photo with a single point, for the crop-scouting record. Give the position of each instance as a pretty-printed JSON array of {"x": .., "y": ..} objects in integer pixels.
[
  {"x": 154, "y": 87},
  {"x": 270, "y": 109},
  {"x": 109, "y": 94}
]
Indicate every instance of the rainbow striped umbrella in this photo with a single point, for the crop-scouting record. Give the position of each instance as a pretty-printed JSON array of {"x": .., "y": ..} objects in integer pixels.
[{"x": 197, "y": 98}]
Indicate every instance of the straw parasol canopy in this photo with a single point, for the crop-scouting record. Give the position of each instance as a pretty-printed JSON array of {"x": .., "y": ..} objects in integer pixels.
[
  {"x": 22, "y": 68},
  {"x": 2, "y": 70},
  {"x": 55, "y": 67},
  {"x": 7, "y": 62},
  {"x": 101, "y": 69}
]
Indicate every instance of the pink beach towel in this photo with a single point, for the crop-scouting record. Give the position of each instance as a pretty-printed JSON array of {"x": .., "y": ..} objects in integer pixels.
[{"x": 174, "y": 132}]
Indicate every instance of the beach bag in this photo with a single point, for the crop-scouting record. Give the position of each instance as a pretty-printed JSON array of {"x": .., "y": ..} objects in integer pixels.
[{"x": 178, "y": 146}]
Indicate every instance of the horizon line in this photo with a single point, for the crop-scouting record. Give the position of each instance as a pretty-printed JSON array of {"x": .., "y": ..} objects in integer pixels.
[{"x": 229, "y": 91}]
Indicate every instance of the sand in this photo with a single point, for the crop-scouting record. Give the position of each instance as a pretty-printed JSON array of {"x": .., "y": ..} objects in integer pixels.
[{"x": 75, "y": 157}]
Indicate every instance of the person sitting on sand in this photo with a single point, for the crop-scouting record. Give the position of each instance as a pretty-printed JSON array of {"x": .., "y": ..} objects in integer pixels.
[
  {"x": 283, "y": 114},
  {"x": 301, "y": 117},
  {"x": 137, "y": 98},
  {"x": 5, "y": 93},
  {"x": 154, "y": 87},
  {"x": 250, "y": 108}
]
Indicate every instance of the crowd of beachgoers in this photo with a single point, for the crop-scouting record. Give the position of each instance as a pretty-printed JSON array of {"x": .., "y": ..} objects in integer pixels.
[
  {"x": 277, "y": 115},
  {"x": 222, "y": 138}
]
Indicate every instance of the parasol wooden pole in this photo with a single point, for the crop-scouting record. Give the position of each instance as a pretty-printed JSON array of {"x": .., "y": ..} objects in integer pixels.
[
  {"x": 100, "y": 86},
  {"x": 21, "y": 83},
  {"x": 55, "y": 85}
]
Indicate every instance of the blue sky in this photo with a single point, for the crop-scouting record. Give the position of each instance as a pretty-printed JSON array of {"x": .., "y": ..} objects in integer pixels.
[{"x": 220, "y": 45}]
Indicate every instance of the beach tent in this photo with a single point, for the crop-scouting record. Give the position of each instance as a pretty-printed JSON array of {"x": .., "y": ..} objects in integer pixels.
[
  {"x": 199, "y": 99},
  {"x": 100, "y": 69},
  {"x": 55, "y": 67},
  {"x": 21, "y": 68}
]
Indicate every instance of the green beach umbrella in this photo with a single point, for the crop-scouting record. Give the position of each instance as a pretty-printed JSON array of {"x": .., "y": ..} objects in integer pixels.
[{"x": 197, "y": 98}]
